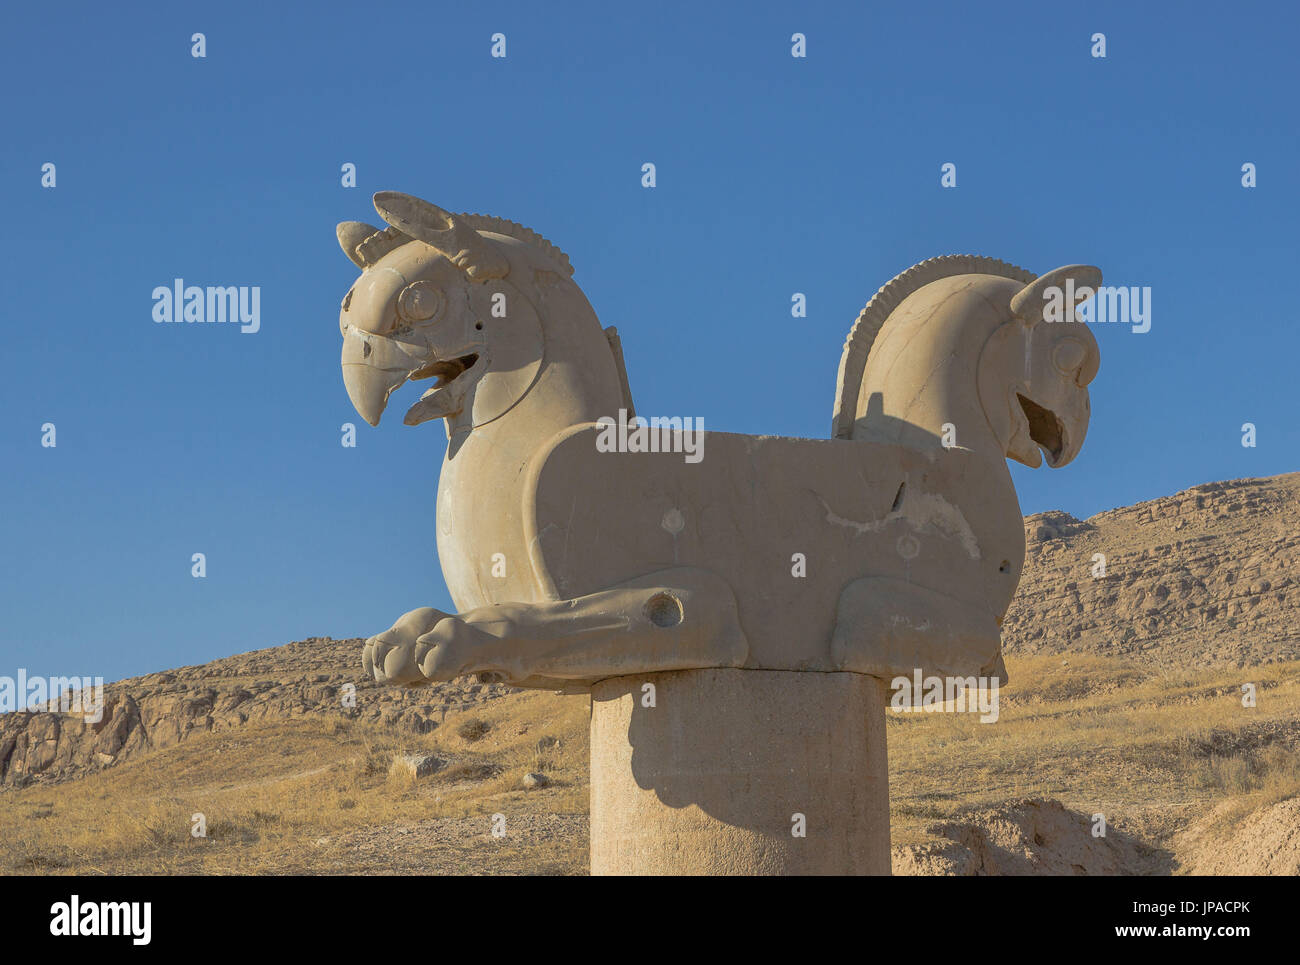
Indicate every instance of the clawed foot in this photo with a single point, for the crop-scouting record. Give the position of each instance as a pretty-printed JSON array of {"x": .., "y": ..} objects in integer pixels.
[
  {"x": 424, "y": 646},
  {"x": 393, "y": 657}
]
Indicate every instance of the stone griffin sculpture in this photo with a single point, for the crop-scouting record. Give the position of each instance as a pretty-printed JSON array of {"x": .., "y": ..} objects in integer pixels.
[{"x": 570, "y": 565}]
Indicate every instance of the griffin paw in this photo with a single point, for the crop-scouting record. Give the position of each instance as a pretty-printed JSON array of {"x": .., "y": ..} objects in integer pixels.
[{"x": 394, "y": 656}]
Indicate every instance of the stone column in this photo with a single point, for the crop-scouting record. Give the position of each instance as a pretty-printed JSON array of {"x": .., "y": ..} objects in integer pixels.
[{"x": 711, "y": 778}]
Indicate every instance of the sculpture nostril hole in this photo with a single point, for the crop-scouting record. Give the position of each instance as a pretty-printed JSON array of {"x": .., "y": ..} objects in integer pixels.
[
  {"x": 365, "y": 350},
  {"x": 1005, "y": 567},
  {"x": 664, "y": 610}
]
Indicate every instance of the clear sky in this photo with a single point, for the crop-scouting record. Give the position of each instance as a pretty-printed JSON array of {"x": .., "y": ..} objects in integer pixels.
[{"x": 775, "y": 175}]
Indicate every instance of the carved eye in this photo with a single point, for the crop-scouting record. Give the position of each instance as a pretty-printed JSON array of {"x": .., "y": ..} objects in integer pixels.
[
  {"x": 1068, "y": 356},
  {"x": 419, "y": 301}
]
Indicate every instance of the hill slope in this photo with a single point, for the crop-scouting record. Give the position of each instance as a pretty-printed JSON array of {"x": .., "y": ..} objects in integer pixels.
[
  {"x": 1124, "y": 700},
  {"x": 309, "y": 678},
  {"x": 1207, "y": 577}
]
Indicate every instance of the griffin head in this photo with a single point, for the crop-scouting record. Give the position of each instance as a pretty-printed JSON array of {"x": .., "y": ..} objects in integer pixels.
[
  {"x": 417, "y": 310},
  {"x": 1050, "y": 409}
]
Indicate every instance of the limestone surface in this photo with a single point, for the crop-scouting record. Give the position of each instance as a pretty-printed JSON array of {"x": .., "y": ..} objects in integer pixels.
[
  {"x": 1208, "y": 576},
  {"x": 571, "y": 562},
  {"x": 739, "y": 772}
]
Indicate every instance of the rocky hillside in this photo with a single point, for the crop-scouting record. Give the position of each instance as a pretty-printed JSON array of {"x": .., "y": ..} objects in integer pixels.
[
  {"x": 309, "y": 677},
  {"x": 1210, "y": 576},
  {"x": 1206, "y": 577}
]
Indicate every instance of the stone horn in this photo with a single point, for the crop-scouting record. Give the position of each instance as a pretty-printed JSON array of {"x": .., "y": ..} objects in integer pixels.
[
  {"x": 439, "y": 229},
  {"x": 351, "y": 234},
  {"x": 1027, "y": 304}
]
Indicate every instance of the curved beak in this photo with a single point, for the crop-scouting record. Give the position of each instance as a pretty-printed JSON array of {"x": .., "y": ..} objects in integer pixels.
[
  {"x": 1072, "y": 434},
  {"x": 373, "y": 368}
]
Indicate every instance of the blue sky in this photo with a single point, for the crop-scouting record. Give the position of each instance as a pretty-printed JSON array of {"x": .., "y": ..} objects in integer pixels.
[{"x": 775, "y": 175}]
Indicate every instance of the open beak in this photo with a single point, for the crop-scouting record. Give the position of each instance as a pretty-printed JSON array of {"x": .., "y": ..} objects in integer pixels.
[
  {"x": 374, "y": 367},
  {"x": 1051, "y": 433},
  {"x": 447, "y": 396}
]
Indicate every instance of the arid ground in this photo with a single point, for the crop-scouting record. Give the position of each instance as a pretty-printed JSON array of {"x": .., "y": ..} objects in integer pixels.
[{"x": 1125, "y": 701}]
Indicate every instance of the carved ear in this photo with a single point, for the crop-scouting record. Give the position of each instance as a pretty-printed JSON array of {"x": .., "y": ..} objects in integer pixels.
[
  {"x": 461, "y": 244},
  {"x": 1083, "y": 280},
  {"x": 351, "y": 234}
]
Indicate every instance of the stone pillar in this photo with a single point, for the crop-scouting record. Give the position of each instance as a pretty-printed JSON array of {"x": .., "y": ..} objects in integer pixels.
[{"x": 709, "y": 780}]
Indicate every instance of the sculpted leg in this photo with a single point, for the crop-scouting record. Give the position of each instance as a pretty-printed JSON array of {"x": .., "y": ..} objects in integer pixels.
[
  {"x": 678, "y": 619},
  {"x": 887, "y": 627}
]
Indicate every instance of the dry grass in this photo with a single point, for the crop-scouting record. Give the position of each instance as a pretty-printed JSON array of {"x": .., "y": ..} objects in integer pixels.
[
  {"x": 315, "y": 797},
  {"x": 472, "y": 729},
  {"x": 1153, "y": 752}
]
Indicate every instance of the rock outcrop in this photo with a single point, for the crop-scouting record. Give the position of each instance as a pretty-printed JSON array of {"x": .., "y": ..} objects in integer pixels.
[
  {"x": 1208, "y": 576},
  {"x": 1265, "y": 841},
  {"x": 310, "y": 677},
  {"x": 1029, "y": 837}
]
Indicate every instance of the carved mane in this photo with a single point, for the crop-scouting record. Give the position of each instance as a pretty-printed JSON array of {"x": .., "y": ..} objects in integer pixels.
[
  {"x": 857, "y": 347},
  {"x": 512, "y": 229},
  {"x": 383, "y": 241}
]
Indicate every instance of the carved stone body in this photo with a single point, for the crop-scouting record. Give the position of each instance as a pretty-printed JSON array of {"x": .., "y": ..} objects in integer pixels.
[
  {"x": 555, "y": 552},
  {"x": 762, "y": 586}
]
